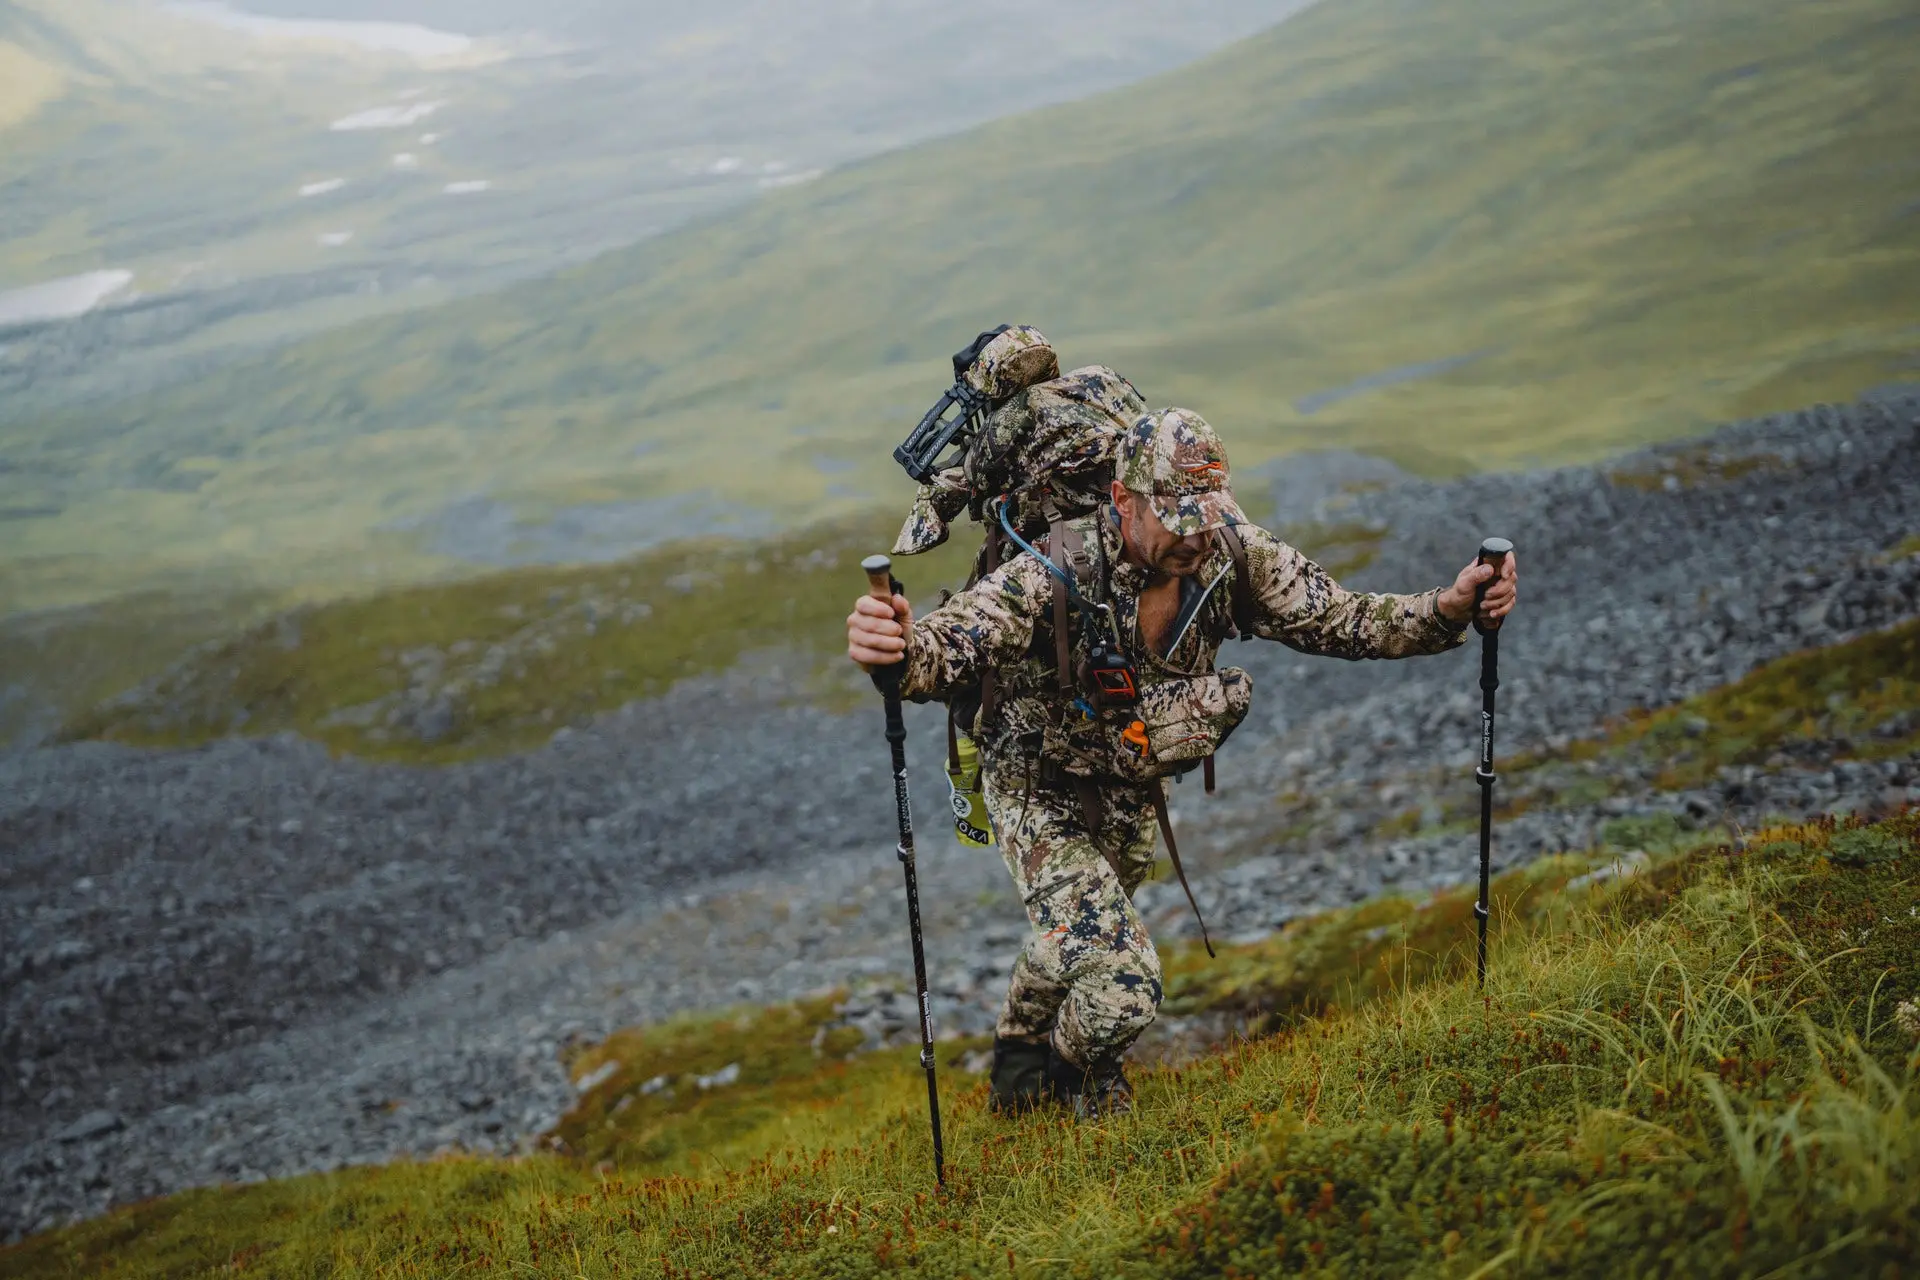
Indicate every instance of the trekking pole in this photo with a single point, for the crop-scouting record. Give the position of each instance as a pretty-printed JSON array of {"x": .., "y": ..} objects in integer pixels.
[
  {"x": 882, "y": 585},
  {"x": 1493, "y": 551}
]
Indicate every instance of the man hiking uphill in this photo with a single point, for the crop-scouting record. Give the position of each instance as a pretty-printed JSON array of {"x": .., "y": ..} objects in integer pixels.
[{"x": 1132, "y": 599}]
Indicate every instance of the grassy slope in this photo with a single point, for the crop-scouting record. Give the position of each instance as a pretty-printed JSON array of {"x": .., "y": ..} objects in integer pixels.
[
  {"x": 1651, "y": 216},
  {"x": 569, "y": 643},
  {"x": 515, "y": 655},
  {"x": 62, "y": 664},
  {"x": 1696, "y": 1072}
]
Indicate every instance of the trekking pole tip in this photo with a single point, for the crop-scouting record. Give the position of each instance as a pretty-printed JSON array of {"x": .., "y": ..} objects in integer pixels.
[{"x": 879, "y": 576}]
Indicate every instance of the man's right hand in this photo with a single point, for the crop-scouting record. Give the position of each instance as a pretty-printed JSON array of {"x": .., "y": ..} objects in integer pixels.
[{"x": 876, "y": 632}]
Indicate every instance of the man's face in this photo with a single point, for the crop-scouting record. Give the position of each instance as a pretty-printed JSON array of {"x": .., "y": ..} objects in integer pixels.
[{"x": 1152, "y": 545}]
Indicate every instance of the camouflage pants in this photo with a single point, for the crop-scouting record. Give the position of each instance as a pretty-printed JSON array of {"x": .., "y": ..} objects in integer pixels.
[{"x": 1089, "y": 977}]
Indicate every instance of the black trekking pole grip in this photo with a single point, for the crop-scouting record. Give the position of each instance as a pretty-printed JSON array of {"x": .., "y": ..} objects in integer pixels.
[
  {"x": 1493, "y": 551},
  {"x": 882, "y": 585}
]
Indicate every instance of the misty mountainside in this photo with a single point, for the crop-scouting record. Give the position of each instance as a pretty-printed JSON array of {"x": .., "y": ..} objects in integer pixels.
[
  {"x": 260, "y": 175},
  {"x": 1459, "y": 235}
]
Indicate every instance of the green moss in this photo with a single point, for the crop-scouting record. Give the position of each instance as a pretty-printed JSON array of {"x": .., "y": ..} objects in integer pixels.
[
  {"x": 70, "y": 660},
  {"x": 1404, "y": 823},
  {"x": 1864, "y": 848},
  {"x": 1854, "y": 696},
  {"x": 1697, "y": 468}
]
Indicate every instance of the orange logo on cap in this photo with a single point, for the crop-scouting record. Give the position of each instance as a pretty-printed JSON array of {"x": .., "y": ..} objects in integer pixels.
[{"x": 1210, "y": 465}]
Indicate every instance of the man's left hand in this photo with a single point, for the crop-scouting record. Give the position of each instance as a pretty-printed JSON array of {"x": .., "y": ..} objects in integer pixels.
[{"x": 1456, "y": 602}]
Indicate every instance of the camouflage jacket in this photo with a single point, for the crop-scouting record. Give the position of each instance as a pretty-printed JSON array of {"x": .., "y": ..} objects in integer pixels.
[{"x": 1187, "y": 707}]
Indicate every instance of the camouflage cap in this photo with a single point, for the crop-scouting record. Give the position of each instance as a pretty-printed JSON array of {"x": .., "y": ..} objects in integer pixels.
[
  {"x": 1015, "y": 359},
  {"x": 1177, "y": 462}
]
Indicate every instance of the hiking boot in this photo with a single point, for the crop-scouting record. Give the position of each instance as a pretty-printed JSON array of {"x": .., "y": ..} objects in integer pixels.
[
  {"x": 1093, "y": 1093},
  {"x": 1019, "y": 1076},
  {"x": 1107, "y": 1093}
]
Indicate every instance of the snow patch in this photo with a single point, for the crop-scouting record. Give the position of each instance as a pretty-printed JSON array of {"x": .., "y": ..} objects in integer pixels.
[
  {"x": 334, "y": 239},
  {"x": 386, "y": 117},
  {"x": 321, "y": 188},
  {"x": 790, "y": 179},
  {"x": 406, "y": 161},
  {"x": 61, "y": 299},
  {"x": 467, "y": 188}
]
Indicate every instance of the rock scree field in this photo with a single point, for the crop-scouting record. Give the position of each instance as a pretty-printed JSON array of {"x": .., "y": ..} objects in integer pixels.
[{"x": 252, "y": 960}]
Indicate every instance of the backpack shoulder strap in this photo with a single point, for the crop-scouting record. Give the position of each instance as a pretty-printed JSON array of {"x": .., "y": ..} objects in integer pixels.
[
  {"x": 989, "y": 686},
  {"x": 1240, "y": 607},
  {"x": 1062, "y": 633},
  {"x": 1240, "y": 597},
  {"x": 1067, "y": 547}
]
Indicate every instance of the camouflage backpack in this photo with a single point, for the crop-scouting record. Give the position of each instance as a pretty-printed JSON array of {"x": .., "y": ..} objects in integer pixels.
[
  {"x": 1026, "y": 447},
  {"x": 1017, "y": 430}
]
